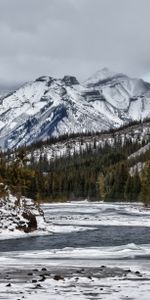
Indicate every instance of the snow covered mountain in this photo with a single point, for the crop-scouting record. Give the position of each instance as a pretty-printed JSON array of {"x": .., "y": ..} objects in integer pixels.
[
  {"x": 52, "y": 107},
  {"x": 125, "y": 97}
]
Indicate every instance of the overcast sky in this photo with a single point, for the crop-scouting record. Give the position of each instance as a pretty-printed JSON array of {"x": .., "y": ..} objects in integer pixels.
[{"x": 78, "y": 37}]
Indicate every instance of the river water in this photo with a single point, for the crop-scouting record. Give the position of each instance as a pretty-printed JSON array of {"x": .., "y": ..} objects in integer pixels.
[
  {"x": 84, "y": 234},
  {"x": 88, "y": 225}
]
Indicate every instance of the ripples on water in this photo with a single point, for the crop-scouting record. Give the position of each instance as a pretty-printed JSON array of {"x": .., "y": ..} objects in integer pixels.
[{"x": 90, "y": 215}]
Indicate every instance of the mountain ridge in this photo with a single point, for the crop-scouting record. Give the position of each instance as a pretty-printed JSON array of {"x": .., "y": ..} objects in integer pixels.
[{"x": 52, "y": 107}]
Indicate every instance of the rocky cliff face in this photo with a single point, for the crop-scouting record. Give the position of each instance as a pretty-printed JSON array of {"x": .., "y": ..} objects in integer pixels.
[
  {"x": 16, "y": 219},
  {"x": 51, "y": 107}
]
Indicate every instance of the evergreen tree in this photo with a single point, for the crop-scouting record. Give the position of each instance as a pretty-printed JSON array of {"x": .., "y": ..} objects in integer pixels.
[{"x": 145, "y": 185}]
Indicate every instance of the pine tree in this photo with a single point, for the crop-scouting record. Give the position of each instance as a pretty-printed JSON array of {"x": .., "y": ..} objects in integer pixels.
[{"x": 145, "y": 185}]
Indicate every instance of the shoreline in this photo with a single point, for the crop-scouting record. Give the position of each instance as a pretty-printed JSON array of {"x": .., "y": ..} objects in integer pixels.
[
  {"x": 64, "y": 282},
  {"x": 89, "y": 265}
]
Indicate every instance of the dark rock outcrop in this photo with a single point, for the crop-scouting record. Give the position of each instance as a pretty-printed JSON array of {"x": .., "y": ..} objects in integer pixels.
[{"x": 31, "y": 224}]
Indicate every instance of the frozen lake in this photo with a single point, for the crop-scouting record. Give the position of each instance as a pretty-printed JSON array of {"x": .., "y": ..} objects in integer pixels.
[{"x": 84, "y": 235}]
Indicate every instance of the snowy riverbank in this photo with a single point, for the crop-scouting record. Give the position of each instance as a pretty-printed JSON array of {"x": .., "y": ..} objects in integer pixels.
[
  {"x": 20, "y": 219},
  {"x": 32, "y": 275},
  {"x": 93, "y": 251}
]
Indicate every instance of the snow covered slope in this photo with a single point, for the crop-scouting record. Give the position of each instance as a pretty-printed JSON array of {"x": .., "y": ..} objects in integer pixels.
[
  {"x": 125, "y": 97},
  {"x": 136, "y": 133},
  {"x": 141, "y": 151},
  {"x": 52, "y": 107}
]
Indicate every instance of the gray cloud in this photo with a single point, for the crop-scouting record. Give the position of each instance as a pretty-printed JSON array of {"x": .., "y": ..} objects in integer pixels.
[{"x": 57, "y": 37}]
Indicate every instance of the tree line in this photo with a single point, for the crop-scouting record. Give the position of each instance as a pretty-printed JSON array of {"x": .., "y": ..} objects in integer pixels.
[{"x": 96, "y": 173}]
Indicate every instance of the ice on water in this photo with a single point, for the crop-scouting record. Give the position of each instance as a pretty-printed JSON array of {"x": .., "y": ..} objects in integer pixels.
[{"x": 81, "y": 216}]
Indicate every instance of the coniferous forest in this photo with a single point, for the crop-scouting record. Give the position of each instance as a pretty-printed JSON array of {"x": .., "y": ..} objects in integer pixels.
[{"x": 96, "y": 173}]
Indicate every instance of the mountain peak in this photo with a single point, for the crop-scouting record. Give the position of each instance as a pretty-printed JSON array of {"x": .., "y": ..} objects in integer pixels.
[
  {"x": 44, "y": 78},
  {"x": 102, "y": 75},
  {"x": 105, "y": 72},
  {"x": 70, "y": 80},
  {"x": 52, "y": 107}
]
